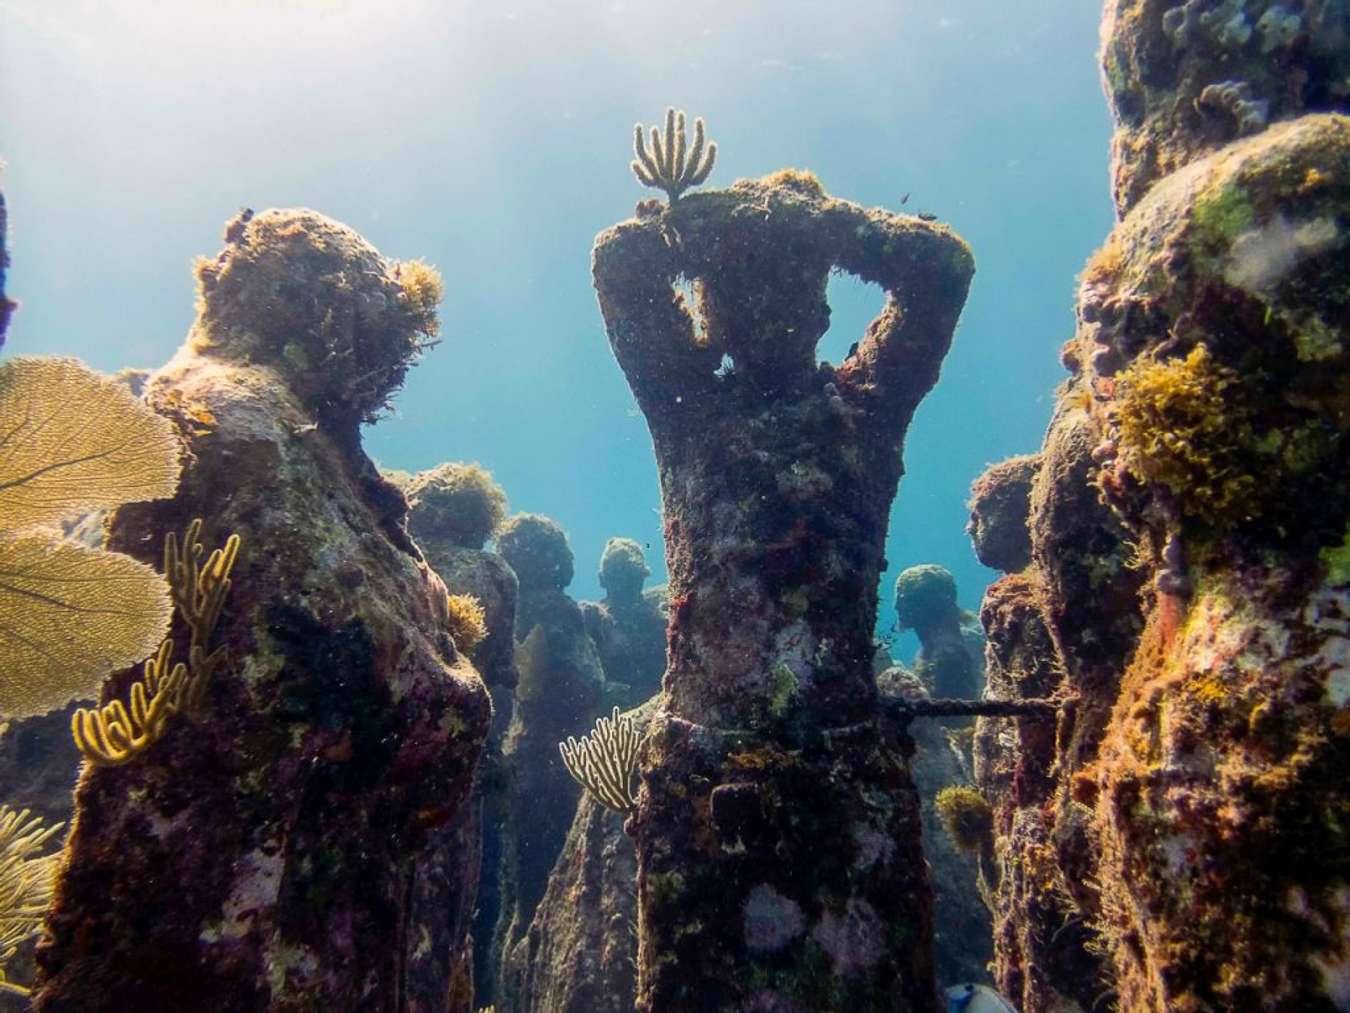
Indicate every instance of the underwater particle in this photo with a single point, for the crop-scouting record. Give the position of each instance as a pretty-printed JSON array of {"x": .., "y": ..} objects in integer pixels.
[
  {"x": 70, "y": 614},
  {"x": 669, "y": 167},
  {"x": 466, "y": 620},
  {"x": 459, "y": 502},
  {"x": 536, "y": 547},
  {"x": 26, "y": 884},
  {"x": 924, "y": 596},
  {"x": 967, "y": 817},
  {"x": 603, "y": 761}
]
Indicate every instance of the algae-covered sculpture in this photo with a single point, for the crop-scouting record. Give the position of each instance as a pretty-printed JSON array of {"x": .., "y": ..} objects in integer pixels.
[
  {"x": 112, "y": 735},
  {"x": 777, "y": 474},
  {"x": 250, "y": 864},
  {"x": 603, "y": 761},
  {"x": 73, "y": 441},
  {"x": 669, "y": 166},
  {"x": 25, "y": 884}
]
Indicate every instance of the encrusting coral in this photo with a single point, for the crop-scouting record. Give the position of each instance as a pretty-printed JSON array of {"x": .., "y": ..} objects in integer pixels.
[
  {"x": 669, "y": 166},
  {"x": 73, "y": 441},
  {"x": 111, "y": 735},
  {"x": 25, "y": 884}
]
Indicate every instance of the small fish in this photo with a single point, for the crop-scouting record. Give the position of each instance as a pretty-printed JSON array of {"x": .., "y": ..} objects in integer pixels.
[
  {"x": 927, "y": 216},
  {"x": 970, "y": 998},
  {"x": 905, "y": 199}
]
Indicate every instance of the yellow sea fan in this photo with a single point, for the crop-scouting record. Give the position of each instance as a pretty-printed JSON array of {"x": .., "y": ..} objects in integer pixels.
[
  {"x": 25, "y": 883},
  {"x": 72, "y": 440},
  {"x": 69, "y": 615}
]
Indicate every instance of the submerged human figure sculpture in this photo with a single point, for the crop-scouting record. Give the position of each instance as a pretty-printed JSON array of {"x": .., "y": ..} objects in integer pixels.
[
  {"x": 454, "y": 509},
  {"x": 558, "y": 694},
  {"x": 948, "y": 662},
  {"x": 629, "y": 625},
  {"x": 765, "y": 757}
]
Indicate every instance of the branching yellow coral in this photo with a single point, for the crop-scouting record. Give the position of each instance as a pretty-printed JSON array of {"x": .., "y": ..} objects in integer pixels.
[
  {"x": 603, "y": 762},
  {"x": 467, "y": 621},
  {"x": 115, "y": 734},
  {"x": 669, "y": 166},
  {"x": 25, "y": 883},
  {"x": 1183, "y": 423},
  {"x": 423, "y": 290},
  {"x": 73, "y": 441}
]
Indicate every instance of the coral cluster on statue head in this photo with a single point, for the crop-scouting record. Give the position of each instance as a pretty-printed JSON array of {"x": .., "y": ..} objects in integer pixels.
[{"x": 309, "y": 297}]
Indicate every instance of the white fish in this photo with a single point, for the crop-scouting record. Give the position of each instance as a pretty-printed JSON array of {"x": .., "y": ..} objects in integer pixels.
[{"x": 970, "y": 998}]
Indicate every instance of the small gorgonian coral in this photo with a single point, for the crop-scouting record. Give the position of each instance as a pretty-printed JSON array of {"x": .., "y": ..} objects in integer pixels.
[
  {"x": 25, "y": 884},
  {"x": 966, "y": 816},
  {"x": 1184, "y": 424},
  {"x": 669, "y": 166}
]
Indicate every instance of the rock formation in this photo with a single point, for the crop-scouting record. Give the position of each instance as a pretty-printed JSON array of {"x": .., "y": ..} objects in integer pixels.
[
  {"x": 777, "y": 475},
  {"x": 629, "y": 625},
  {"x": 262, "y": 854},
  {"x": 558, "y": 694},
  {"x": 1188, "y": 520}
]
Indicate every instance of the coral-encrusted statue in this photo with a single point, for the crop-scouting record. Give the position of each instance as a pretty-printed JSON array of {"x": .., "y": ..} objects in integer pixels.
[
  {"x": 777, "y": 832},
  {"x": 261, "y": 855}
]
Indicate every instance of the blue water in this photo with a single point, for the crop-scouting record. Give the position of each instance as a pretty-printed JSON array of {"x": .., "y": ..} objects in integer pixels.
[{"x": 493, "y": 140}]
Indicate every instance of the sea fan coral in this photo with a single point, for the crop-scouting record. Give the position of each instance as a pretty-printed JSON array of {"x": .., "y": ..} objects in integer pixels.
[{"x": 73, "y": 441}]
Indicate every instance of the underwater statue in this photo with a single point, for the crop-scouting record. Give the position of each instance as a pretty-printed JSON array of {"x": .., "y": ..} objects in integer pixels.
[
  {"x": 453, "y": 509},
  {"x": 629, "y": 625},
  {"x": 1178, "y": 844},
  {"x": 777, "y": 829},
  {"x": 951, "y": 645},
  {"x": 261, "y": 852},
  {"x": 559, "y": 693}
]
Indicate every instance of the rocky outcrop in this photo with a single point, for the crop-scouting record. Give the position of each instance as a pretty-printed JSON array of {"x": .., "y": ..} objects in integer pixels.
[
  {"x": 250, "y": 857},
  {"x": 777, "y": 475},
  {"x": 1188, "y": 525}
]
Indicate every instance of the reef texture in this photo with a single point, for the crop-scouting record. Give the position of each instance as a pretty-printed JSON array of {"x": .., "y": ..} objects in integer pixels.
[
  {"x": 264, "y": 853},
  {"x": 778, "y": 833},
  {"x": 1189, "y": 588},
  {"x": 1186, "y": 77},
  {"x": 580, "y": 953},
  {"x": 452, "y": 510},
  {"x": 559, "y": 693},
  {"x": 962, "y": 933}
]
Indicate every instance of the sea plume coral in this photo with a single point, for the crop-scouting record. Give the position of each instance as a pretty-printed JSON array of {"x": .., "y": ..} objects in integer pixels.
[
  {"x": 669, "y": 166},
  {"x": 72, "y": 441},
  {"x": 25, "y": 883}
]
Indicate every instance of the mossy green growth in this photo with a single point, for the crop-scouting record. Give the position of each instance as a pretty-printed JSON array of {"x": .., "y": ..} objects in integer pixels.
[
  {"x": 1221, "y": 216},
  {"x": 784, "y": 685},
  {"x": 966, "y": 815},
  {"x": 1336, "y": 558},
  {"x": 1185, "y": 424}
]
